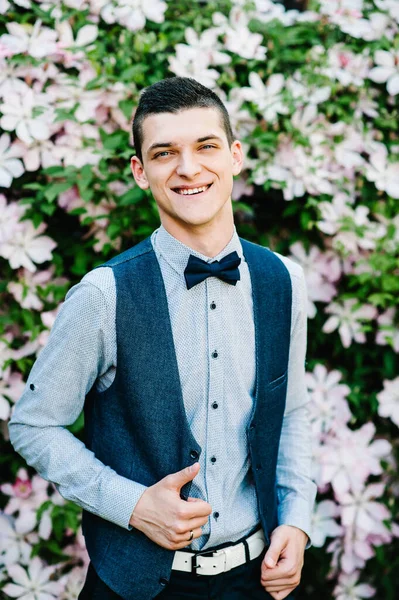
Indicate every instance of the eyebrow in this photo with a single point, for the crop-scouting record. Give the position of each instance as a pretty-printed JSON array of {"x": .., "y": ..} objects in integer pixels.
[{"x": 211, "y": 136}]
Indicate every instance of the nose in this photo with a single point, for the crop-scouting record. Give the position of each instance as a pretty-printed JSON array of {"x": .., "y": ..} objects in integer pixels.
[{"x": 188, "y": 166}]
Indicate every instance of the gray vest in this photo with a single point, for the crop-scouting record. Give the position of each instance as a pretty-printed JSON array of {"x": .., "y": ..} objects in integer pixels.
[{"x": 138, "y": 426}]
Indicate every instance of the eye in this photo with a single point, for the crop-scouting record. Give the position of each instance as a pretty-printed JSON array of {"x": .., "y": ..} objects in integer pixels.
[
  {"x": 207, "y": 146},
  {"x": 163, "y": 153}
]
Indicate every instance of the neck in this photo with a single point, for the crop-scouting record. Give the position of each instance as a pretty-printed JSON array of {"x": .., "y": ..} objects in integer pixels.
[{"x": 208, "y": 239}]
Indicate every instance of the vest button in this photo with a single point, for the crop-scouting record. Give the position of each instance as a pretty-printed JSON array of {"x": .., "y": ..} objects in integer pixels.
[
  {"x": 163, "y": 581},
  {"x": 252, "y": 426},
  {"x": 194, "y": 454},
  {"x": 258, "y": 467},
  {"x": 215, "y": 405}
]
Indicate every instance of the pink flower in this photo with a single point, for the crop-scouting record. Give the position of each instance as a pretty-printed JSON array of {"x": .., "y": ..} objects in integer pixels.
[
  {"x": 26, "y": 246},
  {"x": 388, "y": 400},
  {"x": 361, "y": 511},
  {"x": 25, "y": 291},
  {"x": 349, "y": 457},
  {"x": 349, "y": 320},
  {"x": 11, "y": 388},
  {"x": 348, "y": 588},
  {"x": 324, "y": 524},
  {"x": 328, "y": 407},
  {"x": 388, "y": 333},
  {"x": 33, "y": 584}
]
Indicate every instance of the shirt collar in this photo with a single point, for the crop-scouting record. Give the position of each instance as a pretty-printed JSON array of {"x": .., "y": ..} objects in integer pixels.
[{"x": 177, "y": 254}]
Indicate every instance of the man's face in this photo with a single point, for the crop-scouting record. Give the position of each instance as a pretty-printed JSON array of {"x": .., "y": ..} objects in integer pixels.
[{"x": 189, "y": 167}]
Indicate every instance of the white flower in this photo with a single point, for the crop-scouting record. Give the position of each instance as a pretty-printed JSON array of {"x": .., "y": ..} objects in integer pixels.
[
  {"x": 132, "y": 14},
  {"x": 11, "y": 388},
  {"x": 35, "y": 40},
  {"x": 324, "y": 523},
  {"x": 238, "y": 38},
  {"x": 10, "y": 167},
  {"x": 34, "y": 584},
  {"x": 328, "y": 407},
  {"x": 188, "y": 62},
  {"x": 348, "y": 588},
  {"x": 14, "y": 547},
  {"x": 267, "y": 98},
  {"x": 28, "y": 246},
  {"x": 391, "y": 6},
  {"x": 10, "y": 215},
  {"x": 361, "y": 511},
  {"x": 25, "y": 289},
  {"x": 348, "y": 320},
  {"x": 388, "y": 400},
  {"x": 19, "y": 115},
  {"x": 388, "y": 332},
  {"x": 385, "y": 175},
  {"x": 387, "y": 70},
  {"x": 347, "y": 67}
]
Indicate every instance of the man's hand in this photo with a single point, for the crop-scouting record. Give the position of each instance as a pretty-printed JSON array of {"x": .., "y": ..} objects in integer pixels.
[
  {"x": 283, "y": 561},
  {"x": 167, "y": 519}
]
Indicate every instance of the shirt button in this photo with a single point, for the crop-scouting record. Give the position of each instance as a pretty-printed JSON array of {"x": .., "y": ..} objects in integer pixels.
[
  {"x": 215, "y": 515},
  {"x": 213, "y": 306},
  {"x": 215, "y": 405},
  {"x": 32, "y": 386},
  {"x": 194, "y": 454},
  {"x": 213, "y": 459},
  {"x": 215, "y": 354}
]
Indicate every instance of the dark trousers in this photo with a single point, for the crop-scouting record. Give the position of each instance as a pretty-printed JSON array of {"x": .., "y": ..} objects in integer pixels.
[{"x": 241, "y": 583}]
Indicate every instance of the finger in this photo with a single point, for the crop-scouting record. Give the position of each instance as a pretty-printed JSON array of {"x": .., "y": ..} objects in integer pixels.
[
  {"x": 175, "y": 481},
  {"x": 195, "y": 523},
  {"x": 194, "y": 510},
  {"x": 185, "y": 541},
  {"x": 277, "y": 588},
  {"x": 281, "y": 571},
  {"x": 281, "y": 595},
  {"x": 277, "y": 545}
]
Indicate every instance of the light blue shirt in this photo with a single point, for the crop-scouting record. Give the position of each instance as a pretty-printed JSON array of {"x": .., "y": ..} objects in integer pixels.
[{"x": 218, "y": 395}]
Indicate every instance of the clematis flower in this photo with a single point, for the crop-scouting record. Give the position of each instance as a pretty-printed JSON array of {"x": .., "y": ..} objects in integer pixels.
[
  {"x": 387, "y": 70},
  {"x": 236, "y": 35},
  {"x": 11, "y": 388},
  {"x": 362, "y": 511},
  {"x": 328, "y": 409},
  {"x": 384, "y": 174},
  {"x": 346, "y": 67},
  {"x": 348, "y": 320},
  {"x": 35, "y": 583},
  {"x": 26, "y": 246},
  {"x": 19, "y": 115},
  {"x": 267, "y": 97},
  {"x": 15, "y": 545},
  {"x": 188, "y": 62},
  {"x": 73, "y": 582},
  {"x": 25, "y": 289},
  {"x": 388, "y": 332},
  {"x": 388, "y": 400},
  {"x": 10, "y": 166},
  {"x": 35, "y": 40},
  {"x": 324, "y": 522},
  {"x": 133, "y": 14},
  {"x": 349, "y": 457},
  {"x": 349, "y": 588}
]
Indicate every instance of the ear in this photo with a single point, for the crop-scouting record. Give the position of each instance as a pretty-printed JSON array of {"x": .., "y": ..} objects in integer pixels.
[
  {"x": 139, "y": 173},
  {"x": 237, "y": 156}
]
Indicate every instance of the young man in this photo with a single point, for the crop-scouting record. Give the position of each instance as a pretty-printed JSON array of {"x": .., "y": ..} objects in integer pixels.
[{"x": 187, "y": 353}]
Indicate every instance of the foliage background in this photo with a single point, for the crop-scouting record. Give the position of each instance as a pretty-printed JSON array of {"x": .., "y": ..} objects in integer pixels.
[{"x": 314, "y": 96}]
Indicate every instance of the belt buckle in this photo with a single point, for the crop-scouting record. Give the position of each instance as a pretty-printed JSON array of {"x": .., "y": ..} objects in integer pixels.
[{"x": 195, "y": 566}]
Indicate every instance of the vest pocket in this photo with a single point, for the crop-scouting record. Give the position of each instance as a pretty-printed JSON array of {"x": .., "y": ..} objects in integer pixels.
[{"x": 275, "y": 383}]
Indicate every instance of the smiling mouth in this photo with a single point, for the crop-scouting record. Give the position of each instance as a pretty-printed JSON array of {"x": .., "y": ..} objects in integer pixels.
[{"x": 193, "y": 191}]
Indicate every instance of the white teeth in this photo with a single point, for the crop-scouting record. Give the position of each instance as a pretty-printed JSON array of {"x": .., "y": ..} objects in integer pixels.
[{"x": 187, "y": 192}]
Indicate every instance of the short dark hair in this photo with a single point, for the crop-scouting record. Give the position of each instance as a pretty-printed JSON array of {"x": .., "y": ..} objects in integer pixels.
[{"x": 175, "y": 94}]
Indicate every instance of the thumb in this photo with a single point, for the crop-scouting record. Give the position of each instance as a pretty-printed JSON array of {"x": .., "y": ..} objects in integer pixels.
[
  {"x": 177, "y": 480},
  {"x": 273, "y": 553}
]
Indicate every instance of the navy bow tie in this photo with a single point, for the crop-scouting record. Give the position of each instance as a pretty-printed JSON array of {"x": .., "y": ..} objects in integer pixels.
[{"x": 225, "y": 269}]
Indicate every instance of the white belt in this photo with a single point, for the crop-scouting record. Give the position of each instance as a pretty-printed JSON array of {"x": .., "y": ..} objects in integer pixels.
[{"x": 222, "y": 560}]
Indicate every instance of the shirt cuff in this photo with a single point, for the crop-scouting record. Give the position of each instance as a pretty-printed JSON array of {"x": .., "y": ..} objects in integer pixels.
[
  {"x": 119, "y": 500},
  {"x": 297, "y": 514}
]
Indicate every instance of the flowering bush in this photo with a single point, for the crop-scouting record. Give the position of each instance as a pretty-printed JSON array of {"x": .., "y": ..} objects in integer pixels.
[{"x": 313, "y": 95}]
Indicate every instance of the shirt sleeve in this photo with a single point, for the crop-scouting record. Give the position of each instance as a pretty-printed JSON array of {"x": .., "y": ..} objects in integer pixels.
[
  {"x": 64, "y": 372},
  {"x": 296, "y": 491}
]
